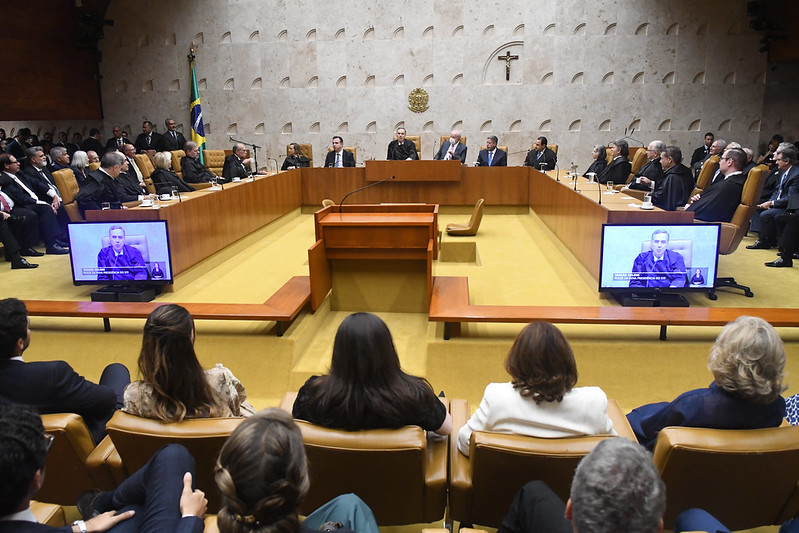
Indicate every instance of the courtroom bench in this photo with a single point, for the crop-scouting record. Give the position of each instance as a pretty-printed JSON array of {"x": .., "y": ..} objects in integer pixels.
[
  {"x": 450, "y": 304},
  {"x": 282, "y": 307}
]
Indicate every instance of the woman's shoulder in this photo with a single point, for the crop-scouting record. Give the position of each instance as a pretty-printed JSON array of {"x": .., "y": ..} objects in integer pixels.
[{"x": 587, "y": 392}]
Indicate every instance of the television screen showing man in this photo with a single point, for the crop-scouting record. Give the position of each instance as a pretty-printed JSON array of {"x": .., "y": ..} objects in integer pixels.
[
  {"x": 659, "y": 267},
  {"x": 120, "y": 261}
]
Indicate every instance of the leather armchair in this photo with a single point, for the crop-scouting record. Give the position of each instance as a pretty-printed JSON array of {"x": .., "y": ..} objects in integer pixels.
[
  {"x": 214, "y": 160},
  {"x": 482, "y": 486},
  {"x": 709, "y": 168},
  {"x": 68, "y": 187},
  {"x": 177, "y": 155}
]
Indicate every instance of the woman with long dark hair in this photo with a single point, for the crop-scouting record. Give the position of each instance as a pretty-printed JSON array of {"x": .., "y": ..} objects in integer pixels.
[
  {"x": 174, "y": 385},
  {"x": 366, "y": 387},
  {"x": 295, "y": 158}
]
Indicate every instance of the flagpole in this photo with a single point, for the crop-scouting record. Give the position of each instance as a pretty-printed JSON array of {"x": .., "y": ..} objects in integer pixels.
[{"x": 195, "y": 110}]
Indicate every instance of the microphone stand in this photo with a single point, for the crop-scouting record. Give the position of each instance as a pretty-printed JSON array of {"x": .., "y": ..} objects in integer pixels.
[
  {"x": 275, "y": 160},
  {"x": 254, "y": 150},
  {"x": 599, "y": 188},
  {"x": 341, "y": 203}
]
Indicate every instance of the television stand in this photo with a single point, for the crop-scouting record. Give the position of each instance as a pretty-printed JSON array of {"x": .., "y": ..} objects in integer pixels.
[
  {"x": 651, "y": 299},
  {"x": 126, "y": 293}
]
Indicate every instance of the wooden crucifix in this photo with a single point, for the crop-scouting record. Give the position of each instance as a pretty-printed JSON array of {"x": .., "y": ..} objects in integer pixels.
[{"x": 507, "y": 58}]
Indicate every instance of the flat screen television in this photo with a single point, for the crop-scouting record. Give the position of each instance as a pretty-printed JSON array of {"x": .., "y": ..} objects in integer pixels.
[
  {"x": 120, "y": 253},
  {"x": 655, "y": 259}
]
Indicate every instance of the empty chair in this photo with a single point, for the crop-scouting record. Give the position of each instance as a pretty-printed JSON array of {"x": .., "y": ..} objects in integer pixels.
[
  {"x": 327, "y": 202},
  {"x": 214, "y": 160},
  {"x": 471, "y": 227}
]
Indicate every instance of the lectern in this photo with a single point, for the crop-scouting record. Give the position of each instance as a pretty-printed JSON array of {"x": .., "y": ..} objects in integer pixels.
[{"x": 374, "y": 257}]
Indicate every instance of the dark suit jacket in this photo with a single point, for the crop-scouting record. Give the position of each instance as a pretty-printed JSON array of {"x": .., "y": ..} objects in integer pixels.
[
  {"x": 718, "y": 203},
  {"x": 18, "y": 194},
  {"x": 127, "y": 186},
  {"x": 167, "y": 143},
  {"x": 98, "y": 188},
  {"x": 674, "y": 189},
  {"x": 500, "y": 158},
  {"x": 789, "y": 187},
  {"x": 617, "y": 171},
  {"x": 141, "y": 142},
  {"x": 459, "y": 155},
  {"x": 651, "y": 170},
  {"x": 90, "y": 143},
  {"x": 194, "y": 171},
  {"x": 111, "y": 144},
  {"x": 548, "y": 158},
  {"x": 597, "y": 166},
  {"x": 234, "y": 168},
  {"x": 347, "y": 159},
  {"x": 54, "y": 387},
  {"x": 39, "y": 185},
  {"x": 164, "y": 180},
  {"x": 700, "y": 154}
]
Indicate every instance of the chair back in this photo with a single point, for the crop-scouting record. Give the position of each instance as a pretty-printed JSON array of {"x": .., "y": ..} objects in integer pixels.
[
  {"x": 327, "y": 202},
  {"x": 401, "y": 476},
  {"x": 553, "y": 147},
  {"x": 67, "y": 475},
  {"x": 136, "y": 439},
  {"x": 501, "y": 147},
  {"x": 177, "y": 155},
  {"x": 68, "y": 187},
  {"x": 639, "y": 159},
  {"x": 145, "y": 165},
  {"x": 708, "y": 170},
  {"x": 732, "y": 232},
  {"x": 471, "y": 227},
  {"x": 745, "y": 478},
  {"x": 94, "y": 166},
  {"x": 307, "y": 151},
  {"x": 609, "y": 156},
  {"x": 214, "y": 160}
]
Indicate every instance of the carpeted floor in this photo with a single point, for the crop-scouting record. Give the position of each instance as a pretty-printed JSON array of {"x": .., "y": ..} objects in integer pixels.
[{"x": 517, "y": 261}]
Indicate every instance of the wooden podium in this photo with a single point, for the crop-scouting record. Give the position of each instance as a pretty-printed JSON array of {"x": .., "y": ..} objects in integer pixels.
[{"x": 374, "y": 257}]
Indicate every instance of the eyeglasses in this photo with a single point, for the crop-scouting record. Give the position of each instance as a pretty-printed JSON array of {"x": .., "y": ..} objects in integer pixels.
[{"x": 49, "y": 438}]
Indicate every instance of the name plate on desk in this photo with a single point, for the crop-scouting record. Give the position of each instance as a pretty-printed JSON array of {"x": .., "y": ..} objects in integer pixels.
[{"x": 413, "y": 170}]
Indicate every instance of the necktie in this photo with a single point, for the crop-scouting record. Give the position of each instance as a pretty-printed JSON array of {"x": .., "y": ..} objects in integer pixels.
[
  {"x": 538, "y": 156},
  {"x": 175, "y": 137},
  {"x": 490, "y": 158},
  {"x": 338, "y": 160},
  {"x": 782, "y": 182},
  {"x": 5, "y": 204},
  {"x": 148, "y": 141},
  {"x": 48, "y": 182}
]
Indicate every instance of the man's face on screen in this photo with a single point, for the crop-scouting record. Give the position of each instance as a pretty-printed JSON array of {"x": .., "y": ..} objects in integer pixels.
[
  {"x": 659, "y": 242},
  {"x": 117, "y": 239}
]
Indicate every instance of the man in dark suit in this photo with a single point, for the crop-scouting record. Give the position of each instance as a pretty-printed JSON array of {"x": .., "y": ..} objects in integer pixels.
[
  {"x": 53, "y": 386},
  {"x": 401, "y": 149},
  {"x": 770, "y": 211},
  {"x": 648, "y": 176},
  {"x": 40, "y": 180},
  {"x": 27, "y": 204},
  {"x": 147, "y": 139},
  {"x": 718, "y": 202},
  {"x": 541, "y": 157},
  {"x": 236, "y": 165},
  {"x": 703, "y": 152},
  {"x": 10, "y": 243},
  {"x": 492, "y": 156},
  {"x": 674, "y": 189},
  {"x": 716, "y": 148},
  {"x": 619, "y": 168},
  {"x": 92, "y": 143},
  {"x": 18, "y": 145},
  {"x": 172, "y": 139},
  {"x": 339, "y": 157},
  {"x": 193, "y": 170},
  {"x": 453, "y": 149},
  {"x": 115, "y": 142},
  {"x": 158, "y": 497},
  {"x": 100, "y": 184}
]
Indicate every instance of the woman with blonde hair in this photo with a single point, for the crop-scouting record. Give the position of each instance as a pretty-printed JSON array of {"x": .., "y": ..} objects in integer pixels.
[
  {"x": 174, "y": 385},
  {"x": 262, "y": 475},
  {"x": 163, "y": 177},
  {"x": 747, "y": 361},
  {"x": 541, "y": 399}
]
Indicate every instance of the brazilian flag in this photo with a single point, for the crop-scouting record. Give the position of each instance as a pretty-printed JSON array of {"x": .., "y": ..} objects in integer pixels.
[{"x": 197, "y": 129}]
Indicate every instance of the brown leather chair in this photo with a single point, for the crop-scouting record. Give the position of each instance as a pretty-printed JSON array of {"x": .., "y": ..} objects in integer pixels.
[
  {"x": 553, "y": 147},
  {"x": 67, "y": 473},
  {"x": 417, "y": 141},
  {"x": 147, "y": 169},
  {"x": 94, "y": 166},
  {"x": 639, "y": 160},
  {"x": 399, "y": 473},
  {"x": 177, "y": 155},
  {"x": 135, "y": 440},
  {"x": 733, "y": 232},
  {"x": 482, "y": 486},
  {"x": 68, "y": 187},
  {"x": 745, "y": 478},
  {"x": 214, "y": 160},
  {"x": 709, "y": 168},
  {"x": 49, "y": 514},
  {"x": 471, "y": 227}
]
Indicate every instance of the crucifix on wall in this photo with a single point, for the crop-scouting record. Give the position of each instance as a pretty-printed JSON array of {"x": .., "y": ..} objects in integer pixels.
[{"x": 507, "y": 58}]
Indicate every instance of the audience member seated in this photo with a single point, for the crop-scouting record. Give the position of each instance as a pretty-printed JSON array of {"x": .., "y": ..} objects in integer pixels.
[
  {"x": 401, "y": 149},
  {"x": 163, "y": 177},
  {"x": 338, "y": 156},
  {"x": 770, "y": 213},
  {"x": 174, "y": 386},
  {"x": 703, "y": 152},
  {"x": 718, "y": 202},
  {"x": 453, "y": 149},
  {"x": 25, "y": 203},
  {"x": 491, "y": 156},
  {"x": 147, "y": 139},
  {"x": 674, "y": 189},
  {"x": 93, "y": 156},
  {"x": 599, "y": 154},
  {"x": 619, "y": 168},
  {"x": 59, "y": 157},
  {"x": 649, "y": 176},
  {"x": 52, "y": 386},
  {"x": 767, "y": 157},
  {"x": 11, "y": 245},
  {"x": 616, "y": 488},
  {"x": 80, "y": 166},
  {"x": 158, "y": 497},
  {"x": 237, "y": 165},
  {"x": 100, "y": 184},
  {"x": 366, "y": 388},
  {"x": 172, "y": 139},
  {"x": 540, "y": 400},
  {"x": 717, "y": 148},
  {"x": 295, "y": 159},
  {"x": 541, "y": 157},
  {"x": 20, "y": 227},
  {"x": 40, "y": 180},
  {"x": 193, "y": 170},
  {"x": 747, "y": 361},
  {"x": 262, "y": 475},
  {"x": 130, "y": 184}
]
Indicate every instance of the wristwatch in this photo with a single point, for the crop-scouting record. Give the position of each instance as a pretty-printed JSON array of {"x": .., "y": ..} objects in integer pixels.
[{"x": 81, "y": 525}]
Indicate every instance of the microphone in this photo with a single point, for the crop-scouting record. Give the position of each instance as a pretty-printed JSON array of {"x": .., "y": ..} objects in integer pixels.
[
  {"x": 275, "y": 160},
  {"x": 435, "y": 152},
  {"x": 180, "y": 198},
  {"x": 341, "y": 203}
]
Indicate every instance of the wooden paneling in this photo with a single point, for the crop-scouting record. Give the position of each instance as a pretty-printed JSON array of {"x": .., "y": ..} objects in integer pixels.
[{"x": 413, "y": 170}]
